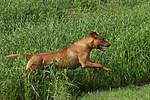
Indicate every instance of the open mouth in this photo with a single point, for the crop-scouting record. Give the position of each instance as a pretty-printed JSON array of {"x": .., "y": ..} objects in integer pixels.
[{"x": 101, "y": 48}]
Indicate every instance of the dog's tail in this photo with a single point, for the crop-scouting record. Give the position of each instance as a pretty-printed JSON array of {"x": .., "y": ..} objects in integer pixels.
[{"x": 25, "y": 55}]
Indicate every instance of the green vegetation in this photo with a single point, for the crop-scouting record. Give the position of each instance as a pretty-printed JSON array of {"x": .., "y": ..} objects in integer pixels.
[
  {"x": 128, "y": 93},
  {"x": 36, "y": 26}
]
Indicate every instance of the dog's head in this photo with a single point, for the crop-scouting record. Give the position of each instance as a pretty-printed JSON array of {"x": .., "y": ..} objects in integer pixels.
[{"x": 98, "y": 41}]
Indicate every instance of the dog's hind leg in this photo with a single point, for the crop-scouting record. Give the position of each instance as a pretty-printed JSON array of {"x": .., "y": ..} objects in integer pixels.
[{"x": 34, "y": 62}]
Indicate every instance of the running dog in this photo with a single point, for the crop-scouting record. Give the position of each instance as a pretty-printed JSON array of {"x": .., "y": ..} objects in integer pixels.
[{"x": 71, "y": 57}]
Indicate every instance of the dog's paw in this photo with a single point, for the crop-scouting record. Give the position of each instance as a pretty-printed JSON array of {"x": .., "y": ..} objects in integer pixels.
[{"x": 108, "y": 69}]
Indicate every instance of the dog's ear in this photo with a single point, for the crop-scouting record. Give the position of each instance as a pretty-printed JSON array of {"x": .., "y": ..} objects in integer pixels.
[{"x": 93, "y": 34}]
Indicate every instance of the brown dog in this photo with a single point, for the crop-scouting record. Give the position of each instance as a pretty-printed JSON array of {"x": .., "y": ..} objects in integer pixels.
[{"x": 72, "y": 56}]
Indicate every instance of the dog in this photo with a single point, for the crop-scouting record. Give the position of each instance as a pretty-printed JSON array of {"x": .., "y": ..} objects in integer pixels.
[{"x": 71, "y": 57}]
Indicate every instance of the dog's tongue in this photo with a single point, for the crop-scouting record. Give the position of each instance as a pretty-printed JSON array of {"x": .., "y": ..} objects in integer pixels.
[{"x": 102, "y": 48}]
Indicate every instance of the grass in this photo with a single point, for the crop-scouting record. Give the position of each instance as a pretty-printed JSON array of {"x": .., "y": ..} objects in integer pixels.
[
  {"x": 127, "y": 93},
  {"x": 36, "y": 26}
]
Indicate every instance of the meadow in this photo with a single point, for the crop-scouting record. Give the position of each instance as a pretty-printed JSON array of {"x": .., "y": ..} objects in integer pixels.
[{"x": 36, "y": 26}]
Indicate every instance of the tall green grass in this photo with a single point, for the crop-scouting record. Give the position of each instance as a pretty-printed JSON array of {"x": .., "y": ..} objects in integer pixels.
[{"x": 35, "y": 26}]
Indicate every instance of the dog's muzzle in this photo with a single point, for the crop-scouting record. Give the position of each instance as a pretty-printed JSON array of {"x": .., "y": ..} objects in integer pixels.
[{"x": 102, "y": 48}]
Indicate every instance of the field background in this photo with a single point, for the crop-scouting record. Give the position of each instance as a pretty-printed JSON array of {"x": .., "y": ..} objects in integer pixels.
[{"x": 36, "y": 26}]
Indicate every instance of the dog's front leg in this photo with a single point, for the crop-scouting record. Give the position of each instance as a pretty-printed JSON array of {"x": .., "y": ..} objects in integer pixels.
[
  {"x": 83, "y": 60},
  {"x": 89, "y": 64}
]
